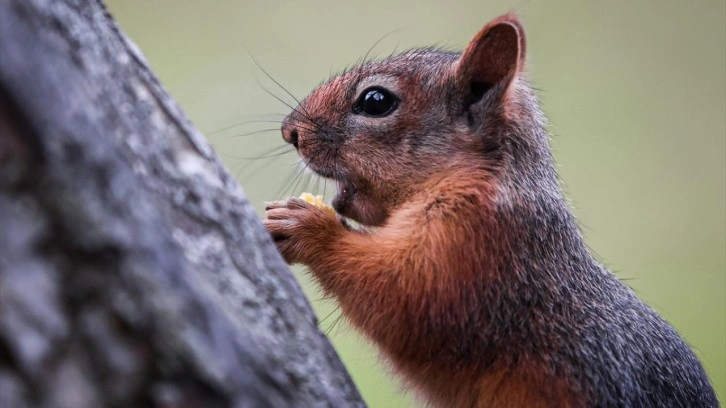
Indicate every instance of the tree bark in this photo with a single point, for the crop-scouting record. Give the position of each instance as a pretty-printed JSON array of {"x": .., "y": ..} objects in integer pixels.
[{"x": 133, "y": 271}]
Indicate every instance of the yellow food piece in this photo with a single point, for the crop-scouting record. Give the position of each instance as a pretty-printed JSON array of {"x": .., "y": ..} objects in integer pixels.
[{"x": 316, "y": 200}]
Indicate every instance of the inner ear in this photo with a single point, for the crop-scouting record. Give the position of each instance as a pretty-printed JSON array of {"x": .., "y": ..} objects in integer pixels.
[{"x": 495, "y": 55}]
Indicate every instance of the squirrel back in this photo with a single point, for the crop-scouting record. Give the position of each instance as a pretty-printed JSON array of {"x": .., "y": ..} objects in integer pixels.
[{"x": 470, "y": 274}]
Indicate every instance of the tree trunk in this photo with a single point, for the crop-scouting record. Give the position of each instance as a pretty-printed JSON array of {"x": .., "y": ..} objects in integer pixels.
[{"x": 133, "y": 272}]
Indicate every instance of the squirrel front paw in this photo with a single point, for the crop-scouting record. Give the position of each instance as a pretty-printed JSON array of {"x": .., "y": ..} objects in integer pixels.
[{"x": 301, "y": 230}]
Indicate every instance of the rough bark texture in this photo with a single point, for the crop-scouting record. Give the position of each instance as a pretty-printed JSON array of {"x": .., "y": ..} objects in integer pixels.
[{"x": 133, "y": 272}]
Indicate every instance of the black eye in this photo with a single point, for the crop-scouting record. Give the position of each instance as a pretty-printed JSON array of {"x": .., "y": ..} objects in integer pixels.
[{"x": 376, "y": 102}]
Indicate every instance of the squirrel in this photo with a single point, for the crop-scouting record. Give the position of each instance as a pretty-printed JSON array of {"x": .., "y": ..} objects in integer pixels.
[{"x": 468, "y": 269}]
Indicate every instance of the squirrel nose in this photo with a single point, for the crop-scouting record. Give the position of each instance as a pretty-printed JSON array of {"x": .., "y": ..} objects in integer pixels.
[{"x": 289, "y": 134}]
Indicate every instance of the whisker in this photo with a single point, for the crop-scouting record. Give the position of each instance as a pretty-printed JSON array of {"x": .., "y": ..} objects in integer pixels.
[
  {"x": 292, "y": 181},
  {"x": 299, "y": 186},
  {"x": 256, "y": 132},
  {"x": 321, "y": 321},
  {"x": 273, "y": 154},
  {"x": 324, "y": 298},
  {"x": 335, "y": 323},
  {"x": 245, "y": 122},
  {"x": 307, "y": 114},
  {"x": 260, "y": 165},
  {"x": 267, "y": 154},
  {"x": 278, "y": 122},
  {"x": 308, "y": 119},
  {"x": 383, "y": 37},
  {"x": 316, "y": 185}
]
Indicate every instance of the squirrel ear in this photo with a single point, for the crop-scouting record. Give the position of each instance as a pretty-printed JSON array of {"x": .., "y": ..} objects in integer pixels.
[{"x": 495, "y": 54}]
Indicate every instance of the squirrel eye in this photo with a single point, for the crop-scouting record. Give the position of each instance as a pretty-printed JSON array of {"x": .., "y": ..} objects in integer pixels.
[{"x": 376, "y": 102}]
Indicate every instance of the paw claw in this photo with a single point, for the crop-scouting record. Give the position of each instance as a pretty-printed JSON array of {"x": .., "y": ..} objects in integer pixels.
[
  {"x": 269, "y": 205},
  {"x": 295, "y": 203},
  {"x": 278, "y": 214}
]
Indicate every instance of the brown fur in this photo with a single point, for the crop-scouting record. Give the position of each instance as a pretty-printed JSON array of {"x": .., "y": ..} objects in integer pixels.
[
  {"x": 410, "y": 284},
  {"x": 471, "y": 277},
  {"x": 415, "y": 307}
]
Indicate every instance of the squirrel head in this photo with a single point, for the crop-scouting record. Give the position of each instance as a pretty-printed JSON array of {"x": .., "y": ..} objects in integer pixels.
[{"x": 382, "y": 129}]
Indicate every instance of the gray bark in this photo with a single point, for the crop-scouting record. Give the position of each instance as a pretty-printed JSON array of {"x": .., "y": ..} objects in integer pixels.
[{"x": 133, "y": 272}]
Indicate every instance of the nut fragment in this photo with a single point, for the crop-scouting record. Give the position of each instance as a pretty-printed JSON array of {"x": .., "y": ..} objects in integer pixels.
[{"x": 316, "y": 200}]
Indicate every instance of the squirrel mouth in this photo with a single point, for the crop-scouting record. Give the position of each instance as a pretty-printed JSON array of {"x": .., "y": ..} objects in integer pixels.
[
  {"x": 344, "y": 199},
  {"x": 355, "y": 204}
]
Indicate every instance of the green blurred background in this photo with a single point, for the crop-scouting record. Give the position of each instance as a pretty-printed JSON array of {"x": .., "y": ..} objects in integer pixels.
[{"x": 635, "y": 92}]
